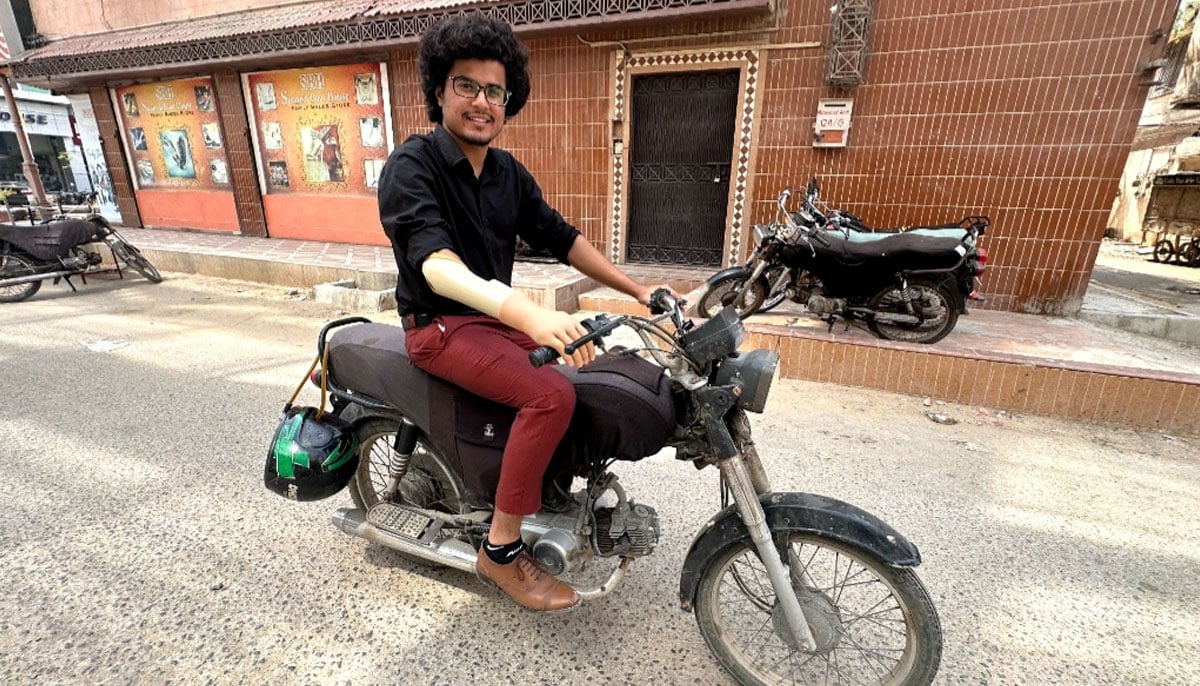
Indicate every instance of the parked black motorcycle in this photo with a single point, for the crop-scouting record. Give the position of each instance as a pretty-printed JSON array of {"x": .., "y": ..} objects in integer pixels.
[
  {"x": 906, "y": 286},
  {"x": 61, "y": 249},
  {"x": 786, "y": 587}
]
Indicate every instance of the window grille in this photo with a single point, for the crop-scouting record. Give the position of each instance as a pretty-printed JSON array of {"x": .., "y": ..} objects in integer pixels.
[{"x": 847, "y": 56}]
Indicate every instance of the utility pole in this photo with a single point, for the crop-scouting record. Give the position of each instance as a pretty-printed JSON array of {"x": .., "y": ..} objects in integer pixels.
[{"x": 32, "y": 175}]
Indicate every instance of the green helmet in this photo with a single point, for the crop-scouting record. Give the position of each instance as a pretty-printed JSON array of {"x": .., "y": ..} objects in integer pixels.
[{"x": 310, "y": 458}]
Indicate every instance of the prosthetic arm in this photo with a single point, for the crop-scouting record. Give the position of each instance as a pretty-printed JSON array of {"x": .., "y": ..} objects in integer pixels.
[{"x": 450, "y": 278}]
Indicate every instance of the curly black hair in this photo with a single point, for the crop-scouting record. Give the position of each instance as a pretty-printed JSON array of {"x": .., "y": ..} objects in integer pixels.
[{"x": 472, "y": 36}]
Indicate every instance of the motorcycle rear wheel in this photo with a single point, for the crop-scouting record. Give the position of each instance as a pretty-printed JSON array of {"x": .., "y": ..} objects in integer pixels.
[
  {"x": 429, "y": 482},
  {"x": 935, "y": 309},
  {"x": 12, "y": 266},
  {"x": 874, "y": 624},
  {"x": 721, "y": 294}
]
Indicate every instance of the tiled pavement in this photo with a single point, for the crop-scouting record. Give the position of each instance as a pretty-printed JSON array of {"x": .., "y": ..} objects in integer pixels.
[{"x": 1034, "y": 364}]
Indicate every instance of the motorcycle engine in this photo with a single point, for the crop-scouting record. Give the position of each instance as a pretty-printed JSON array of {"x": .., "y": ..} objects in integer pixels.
[
  {"x": 82, "y": 260},
  {"x": 819, "y": 304},
  {"x": 626, "y": 530}
]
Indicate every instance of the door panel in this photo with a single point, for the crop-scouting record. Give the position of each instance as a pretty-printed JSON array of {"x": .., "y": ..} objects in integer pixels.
[{"x": 681, "y": 146}]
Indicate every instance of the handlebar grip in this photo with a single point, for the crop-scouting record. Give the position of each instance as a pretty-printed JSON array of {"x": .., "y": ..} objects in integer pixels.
[
  {"x": 661, "y": 301},
  {"x": 542, "y": 356}
]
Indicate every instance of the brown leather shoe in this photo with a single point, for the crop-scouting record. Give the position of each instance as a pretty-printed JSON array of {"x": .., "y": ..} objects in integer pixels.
[{"x": 527, "y": 583}]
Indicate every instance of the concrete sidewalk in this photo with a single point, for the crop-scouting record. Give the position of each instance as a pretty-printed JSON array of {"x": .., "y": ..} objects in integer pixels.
[
  {"x": 1132, "y": 293},
  {"x": 1102, "y": 366}
]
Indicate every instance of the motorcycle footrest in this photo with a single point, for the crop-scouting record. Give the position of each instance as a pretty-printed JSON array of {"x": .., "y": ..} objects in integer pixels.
[{"x": 404, "y": 522}]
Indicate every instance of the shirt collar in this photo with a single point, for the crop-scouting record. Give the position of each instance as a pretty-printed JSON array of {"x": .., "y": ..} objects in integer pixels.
[{"x": 454, "y": 155}]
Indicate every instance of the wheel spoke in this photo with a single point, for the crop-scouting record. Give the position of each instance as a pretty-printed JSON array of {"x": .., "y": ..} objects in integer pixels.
[{"x": 866, "y": 625}]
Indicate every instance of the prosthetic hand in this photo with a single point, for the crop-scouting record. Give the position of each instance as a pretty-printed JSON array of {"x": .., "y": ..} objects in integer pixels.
[{"x": 450, "y": 278}]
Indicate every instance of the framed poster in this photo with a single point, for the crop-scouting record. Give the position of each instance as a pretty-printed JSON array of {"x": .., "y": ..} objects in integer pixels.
[
  {"x": 319, "y": 130},
  {"x": 173, "y": 135}
]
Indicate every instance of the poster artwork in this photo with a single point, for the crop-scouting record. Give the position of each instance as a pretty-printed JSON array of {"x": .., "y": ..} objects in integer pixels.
[
  {"x": 266, "y": 96},
  {"x": 129, "y": 100},
  {"x": 371, "y": 129},
  {"x": 323, "y": 154},
  {"x": 279, "y": 173},
  {"x": 372, "y": 169},
  {"x": 174, "y": 142},
  {"x": 219, "y": 172},
  {"x": 177, "y": 154},
  {"x": 320, "y": 130},
  {"x": 272, "y": 136},
  {"x": 145, "y": 170},
  {"x": 212, "y": 135},
  {"x": 204, "y": 100},
  {"x": 366, "y": 91}
]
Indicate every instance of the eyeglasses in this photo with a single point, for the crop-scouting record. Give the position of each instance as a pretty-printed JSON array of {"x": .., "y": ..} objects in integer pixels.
[{"x": 467, "y": 88}]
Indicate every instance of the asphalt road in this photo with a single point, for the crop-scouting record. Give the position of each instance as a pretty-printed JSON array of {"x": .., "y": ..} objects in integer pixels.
[
  {"x": 1170, "y": 287},
  {"x": 138, "y": 545}
]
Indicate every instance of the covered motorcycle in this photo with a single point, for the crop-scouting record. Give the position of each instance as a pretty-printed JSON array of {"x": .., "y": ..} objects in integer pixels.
[{"x": 59, "y": 250}]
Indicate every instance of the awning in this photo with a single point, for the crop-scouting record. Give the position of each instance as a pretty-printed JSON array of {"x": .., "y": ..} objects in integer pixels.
[{"x": 322, "y": 26}]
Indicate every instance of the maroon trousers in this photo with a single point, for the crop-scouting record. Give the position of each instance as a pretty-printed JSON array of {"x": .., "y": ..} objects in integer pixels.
[{"x": 491, "y": 360}]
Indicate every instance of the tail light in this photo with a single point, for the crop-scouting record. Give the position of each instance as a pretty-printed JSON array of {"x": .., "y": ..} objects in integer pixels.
[
  {"x": 315, "y": 377},
  {"x": 982, "y": 256}
]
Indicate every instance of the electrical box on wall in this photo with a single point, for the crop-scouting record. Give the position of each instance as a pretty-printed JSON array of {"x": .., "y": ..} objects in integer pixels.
[{"x": 832, "y": 127}]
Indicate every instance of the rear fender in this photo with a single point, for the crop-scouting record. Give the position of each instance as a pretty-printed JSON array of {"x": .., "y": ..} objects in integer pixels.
[
  {"x": 799, "y": 512},
  {"x": 732, "y": 272}
]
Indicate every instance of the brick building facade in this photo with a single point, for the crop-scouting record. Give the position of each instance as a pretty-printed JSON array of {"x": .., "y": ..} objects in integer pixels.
[{"x": 664, "y": 130}]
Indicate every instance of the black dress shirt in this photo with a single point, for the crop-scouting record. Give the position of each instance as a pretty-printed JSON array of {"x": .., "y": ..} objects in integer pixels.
[{"x": 429, "y": 200}]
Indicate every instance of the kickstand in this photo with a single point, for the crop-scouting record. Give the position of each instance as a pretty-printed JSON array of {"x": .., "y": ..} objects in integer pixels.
[{"x": 831, "y": 320}]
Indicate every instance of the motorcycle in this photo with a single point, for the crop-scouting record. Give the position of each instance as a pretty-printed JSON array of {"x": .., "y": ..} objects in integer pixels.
[
  {"x": 969, "y": 230},
  {"x": 909, "y": 286},
  {"x": 785, "y": 586},
  {"x": 60, "y": 249}
]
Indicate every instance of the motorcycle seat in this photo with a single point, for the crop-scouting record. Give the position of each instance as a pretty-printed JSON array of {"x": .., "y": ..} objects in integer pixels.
[
  {"x": 624, "y": 408},
  {"x": 903, "y": 251},
  {"x": 953, "y": 231},
  {"x": 49, "y": 241}
]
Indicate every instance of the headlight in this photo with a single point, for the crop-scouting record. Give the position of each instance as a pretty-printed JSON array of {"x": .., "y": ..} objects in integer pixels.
[
  {"x": 761, "y": 231},
  {"x": 754, "y": 372}
]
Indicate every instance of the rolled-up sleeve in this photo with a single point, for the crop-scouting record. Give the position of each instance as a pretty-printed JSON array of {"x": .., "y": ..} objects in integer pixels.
[
  {"x": 540, "y": 225},
  {"x": 409, "y": 209}
]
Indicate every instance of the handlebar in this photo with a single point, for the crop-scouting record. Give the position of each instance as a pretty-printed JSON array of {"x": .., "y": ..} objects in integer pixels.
[
  {"x": 602, "y": 325},
  {"x": 598, "y": 327}
]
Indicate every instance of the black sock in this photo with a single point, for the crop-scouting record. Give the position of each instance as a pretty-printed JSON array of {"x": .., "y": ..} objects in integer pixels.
[{"x": 503, "y": 554}]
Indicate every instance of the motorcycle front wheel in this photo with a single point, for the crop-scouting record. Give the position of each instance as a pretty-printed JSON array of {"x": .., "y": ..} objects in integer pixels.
[
  {"x": 429, "y": 482},
  {"x": 137, "y": 261},
  {"x": 873, "y": 623},
  {"x": 771, "y": 276},
  {"x": 932, "y": 317},
  {"x": 11, "y": 267},
  {"x": 725, "y": 290}
]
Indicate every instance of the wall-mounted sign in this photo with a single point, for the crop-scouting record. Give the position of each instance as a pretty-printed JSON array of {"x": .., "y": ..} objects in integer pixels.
[
  {"x": 320, "y": 129},
  {"x": 173, "y": 134},
  {"x": 39, "y": 118},
  {"x": 832, "y": 128}
]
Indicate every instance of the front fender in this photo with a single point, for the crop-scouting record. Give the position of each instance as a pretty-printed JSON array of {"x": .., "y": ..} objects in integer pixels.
[
  {"x": 801, "y": 512},
  {"x": 730, "y": 273}
]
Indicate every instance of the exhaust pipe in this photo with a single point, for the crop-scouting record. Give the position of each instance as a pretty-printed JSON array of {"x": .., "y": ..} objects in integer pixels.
[
  {"x": 450, "y": 552},
  {"x": 34, "y": 277}
]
